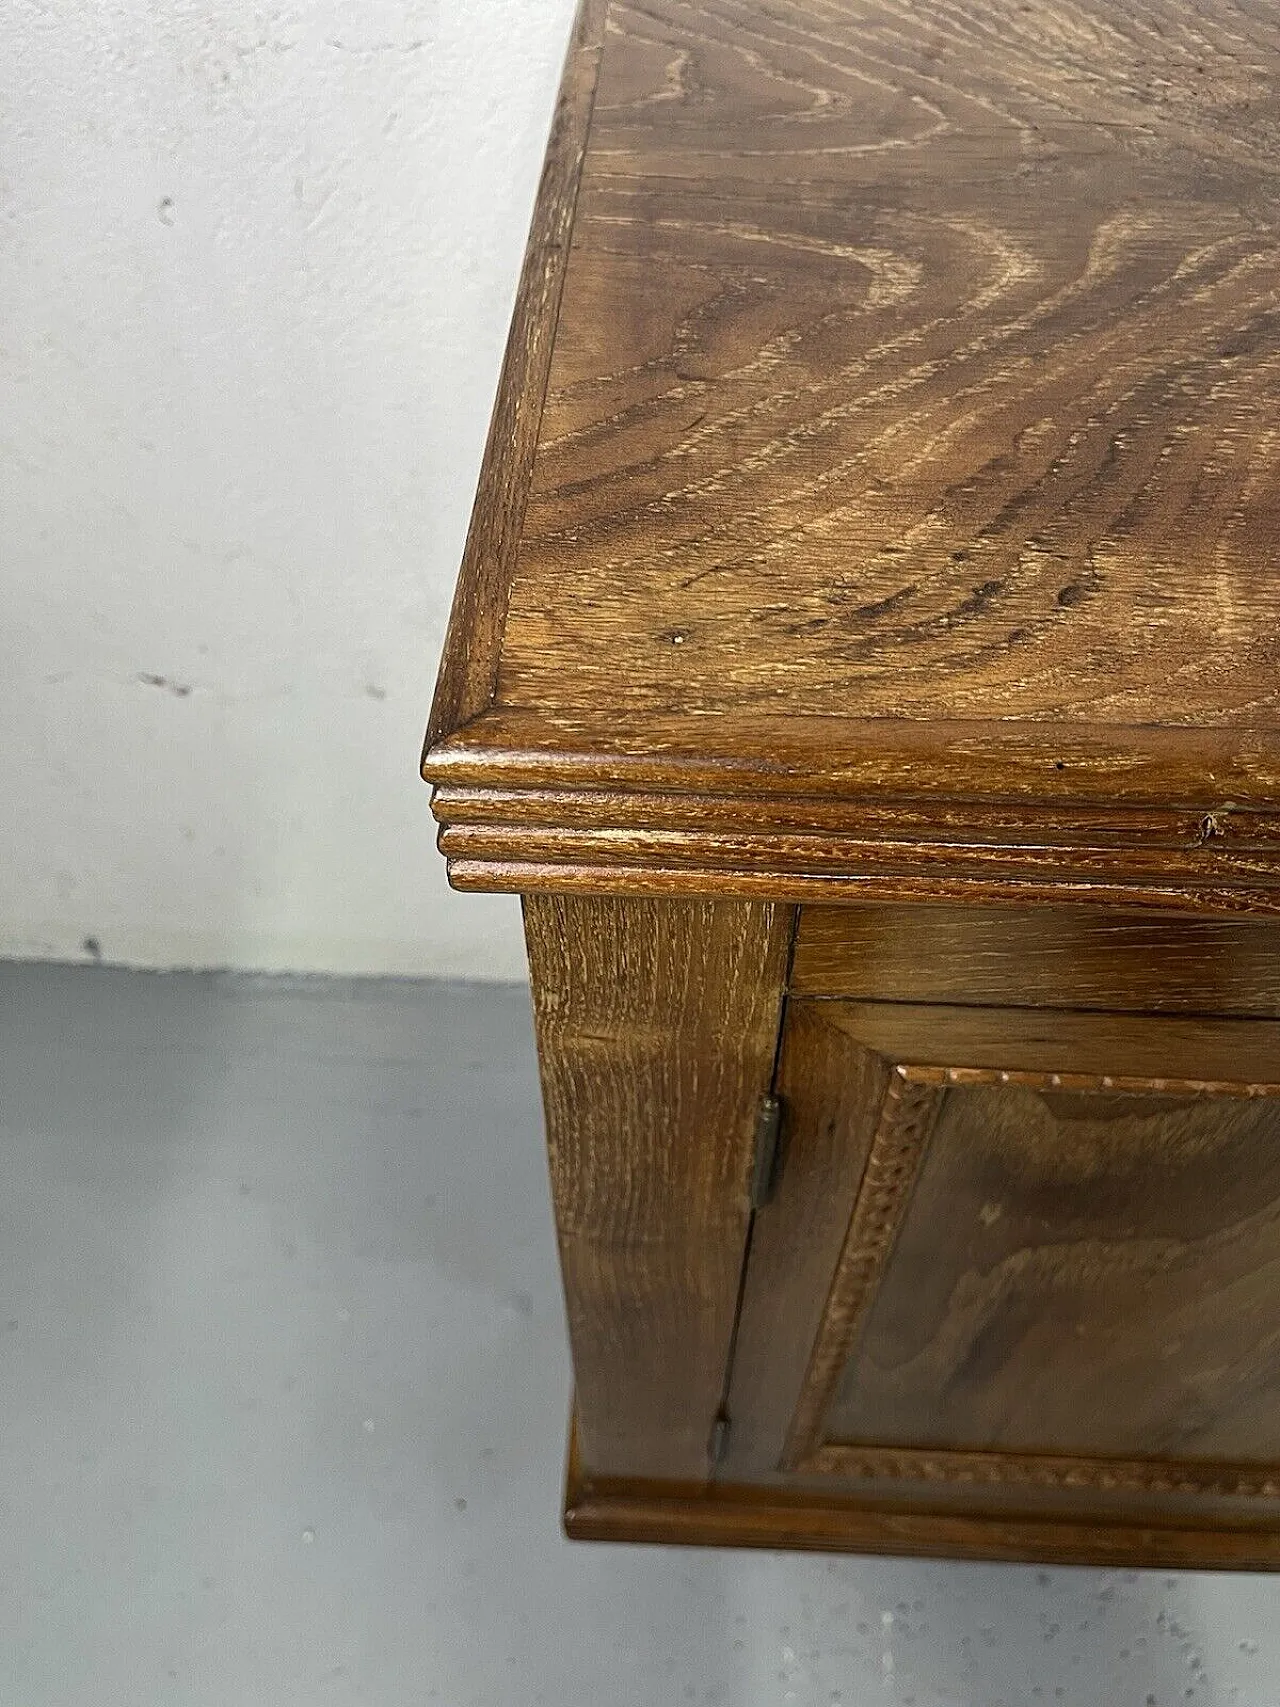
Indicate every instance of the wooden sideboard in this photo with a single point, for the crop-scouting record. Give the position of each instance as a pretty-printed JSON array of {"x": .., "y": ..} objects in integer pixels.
[{"x": 864, "y": 664}]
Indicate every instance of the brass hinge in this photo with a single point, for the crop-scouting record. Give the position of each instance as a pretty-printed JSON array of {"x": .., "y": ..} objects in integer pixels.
[
  {"x": 718, "y": 1445},
  {"x": 764, "y": 1171}
]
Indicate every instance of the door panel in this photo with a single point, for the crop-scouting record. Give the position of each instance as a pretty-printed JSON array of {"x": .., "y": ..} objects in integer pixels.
[
  {"x": 1036, "y": 1255},
  {"x": 1086, "y": 1272},
  {"x": 832, "y": 1090}
]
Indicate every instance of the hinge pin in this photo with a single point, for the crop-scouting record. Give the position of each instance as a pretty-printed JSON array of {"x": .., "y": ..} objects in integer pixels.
[{"x": 765, "y": 1168}]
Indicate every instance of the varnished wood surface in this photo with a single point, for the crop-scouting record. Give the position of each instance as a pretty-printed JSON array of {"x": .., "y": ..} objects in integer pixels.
[
  {"x": 731, "y": 1515},
  {"x": 950, "y": 1041},
  {"x": 1039, "y": 957},
  {"x": 671, "y": 806},
  {"x": 708, "y": 805},
  {"x": 832, "y": 1090},
  {"x": 909, "y": 437},
  {"x": 881, "y": 506},
  {"x": 538, "y": 878},
  {"x": 469, "y": 667},
  {"x": 1039, "y": 1288},
  {"x": 918, "y": 360},
  {"x": 1106, "y": 769},
  {"x": 805, "y": 857},
  {"x": 902, "y": 1125},
  {"x": 657, "y": 1026},
  {"x": 1088, "y": 1274}
]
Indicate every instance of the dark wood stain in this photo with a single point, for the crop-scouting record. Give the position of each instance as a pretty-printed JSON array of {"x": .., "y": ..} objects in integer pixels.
[
  {"x": 657, "y": 1023},
  {"x": 832, "y": 1091},
  {"x": 909, "y": 433},
  {"x": 1039, "y": 1283},
  {"x": 957, "y": 395},
  {"x": 1091, "y": 1273},
  {"x": 1041, "y": 957},
  {"x": 878, "y": 526},
  {"x": 469, "y": 670},
  {"x": 743, "y": 1516}
]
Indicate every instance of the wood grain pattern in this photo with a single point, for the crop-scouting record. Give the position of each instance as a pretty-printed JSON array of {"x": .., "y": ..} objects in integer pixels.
[
  {"x": 1157, "y": 1050},
  {"x": 745, "y": 1516},
  {"x": 1085, "y": 1275},
  {"x": 919, "y": 362},
  {"x": 1046, "y": 1284},
  {"x": 1230, "y": 772},
  {"x": 813, "y": 855},
  {"x": 909, "y": 441},
  {"x": 905, "y": 1121},
  {"x": 832, "y": 1090},
  {"x": 815, "y": 847},
  {"x": 713, "y": 805},
  {"x": 880, "y": 507},
  {"x": 533, "y": 876},
  {"x": 469, "y": 667},
  {"x": 959, "y": 822},
  {"x": 1041, "y": 957},
  {"x": 657, "y": 1026}
]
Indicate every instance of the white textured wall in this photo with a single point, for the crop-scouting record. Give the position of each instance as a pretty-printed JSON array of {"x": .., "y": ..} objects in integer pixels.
[{"x": 256, "y": 264}]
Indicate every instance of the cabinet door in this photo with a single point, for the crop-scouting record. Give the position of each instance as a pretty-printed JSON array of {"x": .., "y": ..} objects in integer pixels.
[{"x": 1022, "y": 1260}]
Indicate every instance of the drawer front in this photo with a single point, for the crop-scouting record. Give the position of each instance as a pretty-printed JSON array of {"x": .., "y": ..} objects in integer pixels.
[{"x": 1040, "y": 957}]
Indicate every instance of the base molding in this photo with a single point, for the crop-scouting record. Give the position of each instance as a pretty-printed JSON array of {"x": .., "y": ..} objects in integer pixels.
[{"x": 728, "y": 1516}]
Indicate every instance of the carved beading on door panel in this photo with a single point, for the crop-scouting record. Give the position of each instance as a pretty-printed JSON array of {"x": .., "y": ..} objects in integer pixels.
[
  {"x": 959, "y": 1077},
  {"x": 906, "y": 1120},
  {"x": 1037, "y": 1470}
]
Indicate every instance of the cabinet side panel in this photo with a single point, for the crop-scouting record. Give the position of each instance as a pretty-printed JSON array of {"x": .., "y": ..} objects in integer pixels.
[{"x": 657, "y": 1028}]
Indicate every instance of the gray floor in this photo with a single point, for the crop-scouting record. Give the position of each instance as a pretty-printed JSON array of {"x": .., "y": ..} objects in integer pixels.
[{"x": 284, "y": 1390}]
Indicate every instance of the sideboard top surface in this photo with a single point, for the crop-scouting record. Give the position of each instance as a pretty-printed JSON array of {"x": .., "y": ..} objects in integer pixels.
[{"x": 892, "y": 414}]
